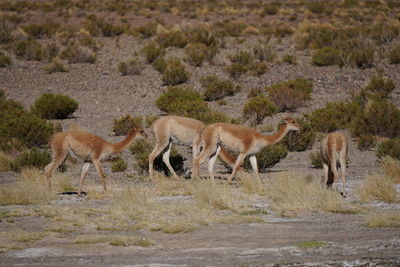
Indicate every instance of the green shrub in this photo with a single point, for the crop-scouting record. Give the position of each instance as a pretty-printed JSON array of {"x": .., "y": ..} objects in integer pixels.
[
  {"x": 318, "y": 36},
  {"x": 142, "y": 149},
  {"x": 196, "y": 53},
  {"x": 380, "y": 118},
  {"x": 6, "y": 35},
  {"x": 119, "y": 165},
  {"x": 172, "y": 38},
  {"x": 174, "y": 72},
  {"x": 257, "y": 108},
  {"x": 55, "y": 66},
  {"x": 4, "y": 60},
  {"x": 263, "y": 52},
  {"x": 300, "y": 140},
  {"x": 316, "y": 160},
  {"x": 289, "y": 59},
  {"x": 147, "y": 30},
  {"x": 361, "y": 56},
  {"x": 132, "y": 67},
  {"x": 76, "y": 53},
  {"x": 160, "y": 64},
  {"x": 29, "y": 50},
  {"x": 258, "y": 68},
  {"x": 215, "y": 88},
  {"x": 380, "y": 86},
  {"x": 99, "y": 27},
  {"x": 242, "y": 57},
  {"x": 236, "y": 70},
  {"x": 152, "y": 52},
  {"x": 394, "y": 55},
  {"x": 326, "y": 56},
  {"x": 365, "y": 142},
  {"x": 47, "y": 29},
  {"x": 122, "y": 125},
  {"x": 31, "y": 158},
  {"x": 334, "y": 116},
  {"x": 50, "y": 106},
  {"x": 268, "y": 157},
  {"x": 390, "y": 148}
]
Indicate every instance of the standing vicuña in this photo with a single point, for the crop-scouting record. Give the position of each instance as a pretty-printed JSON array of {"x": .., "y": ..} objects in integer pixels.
[
  {"x": 179, "y": 130},
  {"x": 235, "y": 137},
  {"x": 333, "y": 148},
  {"x": 87, "y": 147}
]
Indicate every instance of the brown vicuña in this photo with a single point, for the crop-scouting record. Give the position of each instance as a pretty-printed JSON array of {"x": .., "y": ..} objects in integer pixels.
[
  {"x": 334, "y": 148},
  {"x": 178, "y": 130},
  {"x": 87, "y": 147},
  {"x": 238, "y": 138}
]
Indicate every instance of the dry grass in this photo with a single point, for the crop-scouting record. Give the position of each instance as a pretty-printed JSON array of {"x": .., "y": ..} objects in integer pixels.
[
  {"x": 251, "y": 184},
  {"x": 168, "y": 186},
  {"x": 382, "y": 219},
  {"x": 391, "y": 168},
  {"x": 114, "y": 240},
  {"x": 377, "y": 187},
  {"x": 5, "y": 162},
  {"x": 292, "y": 193}
]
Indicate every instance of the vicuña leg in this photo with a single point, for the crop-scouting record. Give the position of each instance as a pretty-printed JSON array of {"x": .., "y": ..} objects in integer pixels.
[
  {"x": 326, "y": 173},
  {"x": 253, "y": 162},
  {"x": 58, "y": 158},
  {"x": 84, "y": 172},
  {"x": 166, "y": 160},
  {"x": 211, "y": 162},
  {"x": 335, "y": 173},
  {"x": 100, "y": 171},
  {"x": 160, "y": 146},
  {"x": 238, "y": 165},
  {"x": 343, "y": 170}
]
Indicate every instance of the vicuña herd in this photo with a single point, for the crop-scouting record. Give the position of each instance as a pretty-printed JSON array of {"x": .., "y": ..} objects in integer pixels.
[{"x": 208, "y": 142}]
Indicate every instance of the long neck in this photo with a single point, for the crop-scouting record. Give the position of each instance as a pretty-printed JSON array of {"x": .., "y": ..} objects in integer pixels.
[
  {"x": 118, "y": 147},
  {"x": 275, "y": 138}
]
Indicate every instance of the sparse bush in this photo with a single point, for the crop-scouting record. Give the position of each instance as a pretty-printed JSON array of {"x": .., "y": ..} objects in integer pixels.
[
  {"x": 380, "y": 117},
  {"x": 242, "y": 57},
  {"x": 289, "y": 59},
  {"x": 380, "y": 86},
  {"x": 29, "y": 50},
  {"x": 119, "y": 165},
  {"x": 99, "y": 27},
  {"x": 263, "y": 52},
  {"x": 268, "y": 157},
  {"x": 258, "y": 68},
  {"x": 366, "y": 142},
  {"x": 377, "y": 187},
  {"x": 142, "y": 149},
  {"x": 51, "y": 50},
  {"x": 122, "y": 125},
  {"x": 50, "y": 106},
  {"x": 160, "y": 65},
  {"x": 318, "y": 36},
  {"x": 6, "y": 35},
  {"x": 326, "y": 56},
  {"x": 132, "y": 67},
  {"x": 215, "y": 88},
  {"x": 360, "y": 56},
  {"x": 41, "y": 30},
  {"x": 236, "y": 70},
  {"x": 55, "y": 66},
  {"x": 172, "y": 38},
  {"x": 394, "y": 55},
  {"x": 4, "y": 60},
  {"x": 255, "y": 92},
  {"x": 270, "y": 9},
  {"x": 76, "y": 53},
  {"x": 31, "y": 158},
  {"x": 316, "y": 160},
  {"x": 5, "y": 162},
  {"x": 174, "y": 72},
  {"x": 391, "y": 168},
  {"x": 147, "y": 30},
  {"x": 390, "y": 148},
  {"x": 152, "y": 52},
  {"x": 300, "y": 140},
  {"x": 201, "y": 33},
  {"x": 196, "y": 53},
  {"x": 257, "y": 108}
]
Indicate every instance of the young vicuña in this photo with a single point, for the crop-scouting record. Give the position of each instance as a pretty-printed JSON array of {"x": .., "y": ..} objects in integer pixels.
[
  {"x": 334, "y": 148},
  {"x": 239, "y": 138},
  {"x": 178, "y": 130},
  {"x": 87, "y": 147}
]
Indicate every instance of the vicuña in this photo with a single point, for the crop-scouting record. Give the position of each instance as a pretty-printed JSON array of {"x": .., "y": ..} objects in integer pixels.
[
  {"x": 334, "y": 148},
  {"x": 178, "y": 130},
  {"x": 238, "y": 138},
  {"x": 88, "y": 147}
]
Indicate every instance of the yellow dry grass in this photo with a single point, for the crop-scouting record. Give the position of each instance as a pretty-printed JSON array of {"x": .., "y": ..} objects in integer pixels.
[
  {"x": 5, "y": 162},
  {"x": 168, "y": 186},
  {"x": 251, "y": 184},
  {"x": 382, "y": 219},
  {"x": 114, "y": 240},
  {"x": 391, "y": 168},
  {"x": 291, "y": 194},
  {"x": 376, "y": 187}
]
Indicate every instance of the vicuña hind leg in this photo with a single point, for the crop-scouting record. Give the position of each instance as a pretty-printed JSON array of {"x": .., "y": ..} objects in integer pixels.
[
  {"x": 84, "y": 172},
  {"x": 211, "y": 162},
  {"x": 238, "y": 165},
  {"x": 166, "y": 160},
  {"x": 100, "y": 171},
  {"x": 53, "y": 165},
  {"x": 160, "y": 146}
]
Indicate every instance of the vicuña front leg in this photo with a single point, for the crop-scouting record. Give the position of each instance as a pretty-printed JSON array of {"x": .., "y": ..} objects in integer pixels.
[
  {"x": 153, "y": 155},
  {"x": 238, "y": 165},
  {"x": 166, "y": 161},
  {"x": 100, "y": 171},
  {"x": 84, "y": 172},
  {"x": 253, "y": 162}
]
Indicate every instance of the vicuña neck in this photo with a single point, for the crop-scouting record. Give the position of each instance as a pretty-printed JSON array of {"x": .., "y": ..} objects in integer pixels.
[
  {"x": 275, "y": 138},
  {"x": 118, "y": 147}
]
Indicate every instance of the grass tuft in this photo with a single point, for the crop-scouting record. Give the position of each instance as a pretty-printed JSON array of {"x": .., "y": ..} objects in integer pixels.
[
  {"x": 377, "y": 187},
  {"x": 391, "y": 168}
]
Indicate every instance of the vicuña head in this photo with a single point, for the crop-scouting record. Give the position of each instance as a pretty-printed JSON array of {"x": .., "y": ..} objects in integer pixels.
[
  {"x": 88, "y": 147},
  {"x": 245, "y": 140}
]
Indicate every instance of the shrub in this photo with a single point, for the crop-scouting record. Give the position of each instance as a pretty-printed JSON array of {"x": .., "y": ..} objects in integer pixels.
[
  {"x": 257, "y": 108},
  {"x": 201, "y": 33},
  {"x": 300, "y": 140},
  {"x": 365, "y": 142},
  {"x": 377, "y": 187},
  {"x": 76, "y": 53},
  {"x": 242, "y": 57},
  {"x": 380, "y": 86},
  {"x": 289, "y": 59},
  {"x": 152, "y": 52},
  {"x": 50, "y": 106},
  {"x": 268, "y": 157},
  {"x": 390, "y": 148},
  {"x": 360, "y": 56},
  {"x": 55, "y": 66},
  {"x": 160, "y": 65},
  {"x": 41, "y": 30},
  {"x": 291, "y": 94},
  {"x": 142, "y": 149},
  {"x": 380, "y": 117},
  {"x": 4, "y": 60},
  {"x": 174, "y": 72},
  {"x": 5, "y": 162},
  {"x": 326, "y": 56},
  {"x": 31, "y": 158},
  {"x": 316, "y": 160},
  {"x": 196, "y": 53},
  {"x": 132, "y": 67},
  {"x": 215, "y": 88},
  {"x": 172, "y": 38},
  {"x": 99, "y": 27},
  {"x": 394, "y": 55},
  {"x": 263, "y": 52},
  {"x": 255, "y": 92},
  {"x": 147, "y": 30},
  {"x": 391, "y": 168},
  {"x": 29, "y": 50},
  {"x": 318, "y": 36},
  {"x": 334, "y": 116},
  {"x": 122, "y": 125},
  {"x": 258, "y": 68},
  {"x": 236, "y": 70},
  {"x": 119, "y": 165},
  {"x": 6, "y": 35}
]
